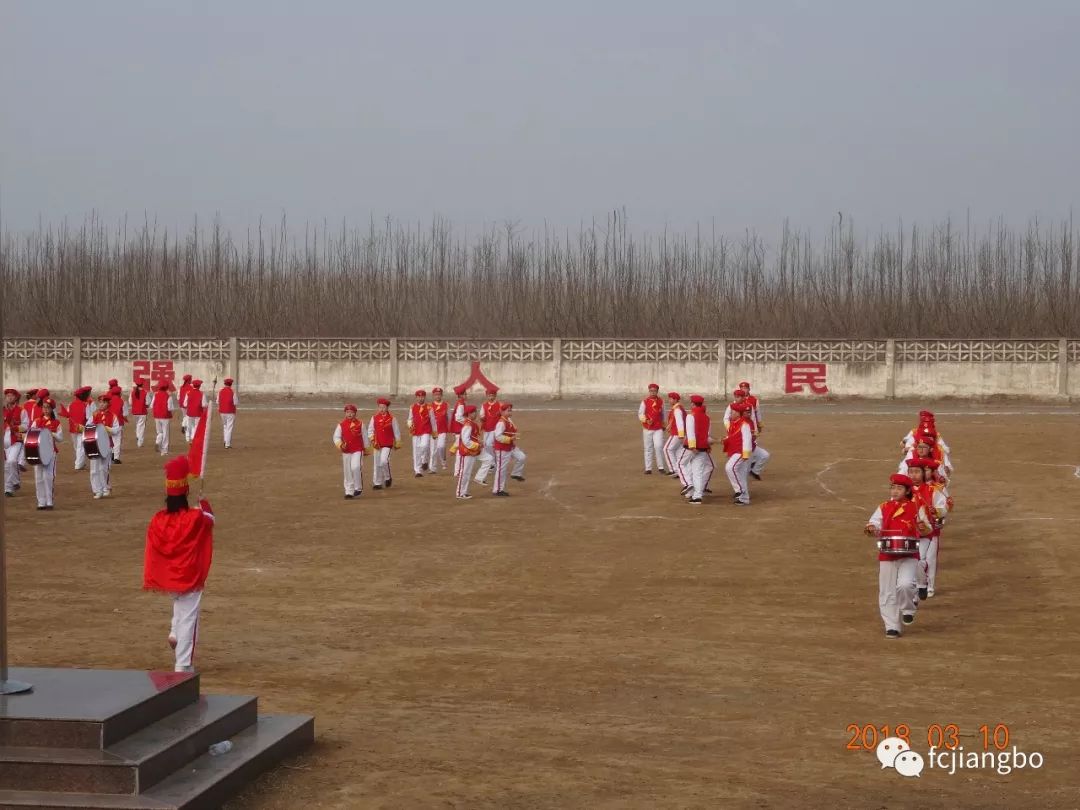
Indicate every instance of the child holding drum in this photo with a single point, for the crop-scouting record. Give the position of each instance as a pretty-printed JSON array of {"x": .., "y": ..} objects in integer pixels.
[{"x": 41, "y": 440}]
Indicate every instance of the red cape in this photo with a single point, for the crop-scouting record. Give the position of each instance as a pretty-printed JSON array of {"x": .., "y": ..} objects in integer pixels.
[{"x": 179, "y": 547}]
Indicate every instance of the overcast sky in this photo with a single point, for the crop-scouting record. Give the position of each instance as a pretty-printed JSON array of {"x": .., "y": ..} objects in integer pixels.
[{"x": 738, "y": 113}]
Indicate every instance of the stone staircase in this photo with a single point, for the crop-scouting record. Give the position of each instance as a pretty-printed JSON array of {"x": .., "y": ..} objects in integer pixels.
[{"x": 128, "y": 739}]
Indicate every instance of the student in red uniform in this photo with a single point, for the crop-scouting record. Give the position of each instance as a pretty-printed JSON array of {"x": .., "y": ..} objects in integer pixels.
[
  {"x": 349, "y": 438},
  {"x": 697, "y": 459},
  {"x": 100, "y": 481},
  {"x": 466, "y": 448},
  {"x": 458, "y": 419},
  {"x": 45, "y": 472},
  {"x": 179, "y": 550},
  {"x": 17, "y": 422},
  {"x": 161, "y": 408},
  {"x": 898, "y": 523},
  {"x": 421, "y": 424},
  {"x": 120, "y": 409},
  {"x": 931, "y": 497},
  {"x": 227, "y": 402},
  {"x": 507, "y": 452},
  {"x": 490, "y": 411},
  {"x": 196, "y": 404},
  {"x": 651, "y": 416},
  {"x": 32, "y": 409},
  {"x": 440, "y": 410},
  {"x": 137, "y": 406},
  {"x": 755, "y": 415},
  {"x": 739, "y": 447},
  {"x": 78, "y": 411},
  {"x": 384, "y": 435},
  {"x": 675, "y": 445}
]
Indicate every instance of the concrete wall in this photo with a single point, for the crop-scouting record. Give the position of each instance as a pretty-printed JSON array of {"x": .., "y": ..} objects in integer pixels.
[{"x": 553, "y": 368}]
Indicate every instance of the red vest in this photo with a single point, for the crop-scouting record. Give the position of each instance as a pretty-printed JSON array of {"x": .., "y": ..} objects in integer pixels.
[
  {"x": 107, "y": 418},
  {"x": 899, "y": 517},
  {"x": 421, "y": 419},
  {"x": 160, "y": 405},
  {"x": 352, "y": 435},
  {"x": 701, "y": 428},
  {"x": 475, "y": 438},
  {"x": 226, "y": 400},
  {"x": 492, "y": 411},
  {"x": 733, "y": 441},
  {"x": 455, "y": 425},
  {"x": 76, "y": 415},
  {"x": 509, "y": 432},
  {"x": 184, "y": 389},
  {"x": 116, "y": 405},
  {"x": 13, "y": 418},
  {"x": 194, "y": 403},
  {"x": 672, "y": 425},
  {"x": 384, "y": 429},
  {"x": 654, "y": 406},
  {"x": 442, "y": 423},
  {"x": 138, "y": 401}
]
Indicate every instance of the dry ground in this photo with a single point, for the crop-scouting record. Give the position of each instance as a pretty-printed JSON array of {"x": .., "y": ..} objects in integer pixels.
[{"x": 593, "y": 641}]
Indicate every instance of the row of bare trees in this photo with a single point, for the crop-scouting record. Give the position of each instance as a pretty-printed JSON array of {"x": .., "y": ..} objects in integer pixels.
[{"x": 602, "y": 281}]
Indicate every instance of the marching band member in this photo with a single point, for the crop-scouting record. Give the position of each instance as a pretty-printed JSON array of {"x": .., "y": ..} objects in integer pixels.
[
  {"x": 755, "y": 409},
  {"x": 739, "y": 447},
  {"x": 466, "y": 448},
  {"x": 17, "y": 422},
  {"x": 185, "y": 386},
  {"x": 179, "y": 549},
  {"x": 32, "y": 409},
  {"x": 697, "y": 463},
  {"x": 458, "y": 419},
  {"x": 137, "y": 408},
  {"x": 421, "y": 424},
  {"x": 227, "y": 402},
  {"x": 349, "y": 438},
  {"x": 441, "y": 412},
  {"x": 196, "y": 404},
  {"x": 78, "y": 411},
  {"x": 898, "y": 517},
  {"x": 490, "y": 411},
  {"x": 99, "y": 467},
  {"x": 926, "y": 446},
  {"x": 926, "y": 427},
  {"x": 651, "y": 416},
  {"x": 932, "y": 498},
  {"x": 738, "y": 395},
  {"x": 504, "y": 444},
  {"x": 161, "y": 407},
  {"x": 118, "y": 407},
  {"x": 384, "y": 436},
  {"x": 675, "y": 445},
  {"x": 45, "y": 473}
]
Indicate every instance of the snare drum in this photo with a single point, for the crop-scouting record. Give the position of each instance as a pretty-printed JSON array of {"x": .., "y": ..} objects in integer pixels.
[
  {"x": 40, "y": 449},
  {"x": 96, "y": 441},
  {"x": 899, "y": 546}
]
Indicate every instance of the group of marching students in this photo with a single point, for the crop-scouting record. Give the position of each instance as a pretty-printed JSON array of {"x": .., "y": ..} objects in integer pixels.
[
  {"x": 488, "y": 436},
  {"x": 33, "y": 431},
  {"x": 908, "y": 526},
  {"x": 687, "y": 452}
]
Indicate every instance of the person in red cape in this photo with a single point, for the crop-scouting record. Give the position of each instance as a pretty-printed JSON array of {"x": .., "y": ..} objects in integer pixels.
[{"x": 179, "y": 548}]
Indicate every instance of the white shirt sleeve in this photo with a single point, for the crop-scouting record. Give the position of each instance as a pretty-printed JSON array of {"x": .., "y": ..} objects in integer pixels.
[
  {"x": 680, "y": 422},
  {"x": 397, "y": 431},
  {"x": 909, "y": 441},
  {"x": 747, "y": 441},
  {"x": 466, "y": 435},
  {"x": 500, "y": 429},
  {"x": 371, "y": 430},
  {"x": 434, "y": 421},
  {"x": 641, "y": 412},
  {"x": 875, "y": 519},
  {"x": 459, "y": 414},
  {"x": 58, "y": 434},
  {"x": 337, "y": 435},
  {"x": 409, "y": 421},
  {"x": 727, "y": 417},
  {"x": 758, "y": 418},
  {"x": 691, "y": 432}
]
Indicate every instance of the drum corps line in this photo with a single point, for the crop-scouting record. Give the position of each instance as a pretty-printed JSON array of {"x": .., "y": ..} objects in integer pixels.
[{"x": 34, "y": 432}]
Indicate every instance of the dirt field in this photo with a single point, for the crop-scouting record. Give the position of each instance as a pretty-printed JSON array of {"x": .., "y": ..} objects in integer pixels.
[{"x": 594, "y": 641}]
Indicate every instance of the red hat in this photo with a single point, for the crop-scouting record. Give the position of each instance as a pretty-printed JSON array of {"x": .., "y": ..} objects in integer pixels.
[
  {"x": 177, "y": 475},
  {"x": 382, "y": 401},
  {"x": 350, "y": 407},
  {"x": 739, "y": 407},
  {"x": 52, "y": 402},
  {"x": 675, "y": 395},
  {"x": 187, "y": 378},
  {"x": 915, "y": 461},
  {"x": 903, "y": 480},
  {"x": 420, "y": 392},
  {"x": 492, "y": 389},
  {"x": 30, "y": 392},
  {"x": 43, "y": 393},
  {"x": 926, "y": 416},
  {"x": 460, "y": 389},
  {"x": 744, "y": 384},
  {"x": 11, "y": 391},
  {"x": 697, "y": 399},
  {"x": 739, "y": 392},
  {"x": 140, "y": 382},
  {"x": 113, "y": 382},
  {"x": 228, "y": 380},
  {"x": 436, "y": 390},
  {"x": 104, "y": 397},
  {"x": 196, "y": 383},
  {"x": 507, "y": 406},
  {"x": 654, "y": 385},
  {"x": 86, "y": 389},
  {"x": 115, "y": 390},
  {"x": 163, "y": 386},
  {"x": 926, "y": 437},
  {"x": 931, "y": 463},
  {"x": 470, "y": 409}
]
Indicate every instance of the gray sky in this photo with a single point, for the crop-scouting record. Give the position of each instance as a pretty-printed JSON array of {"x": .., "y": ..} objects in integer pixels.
[{"x": 742, "y": 113}]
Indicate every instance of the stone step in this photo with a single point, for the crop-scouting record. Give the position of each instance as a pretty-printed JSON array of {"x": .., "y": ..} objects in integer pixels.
[{"x": 202, "y": 784}]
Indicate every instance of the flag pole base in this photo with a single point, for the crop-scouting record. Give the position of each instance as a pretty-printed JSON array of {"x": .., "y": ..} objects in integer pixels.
[{"x": 14, "y": 687}]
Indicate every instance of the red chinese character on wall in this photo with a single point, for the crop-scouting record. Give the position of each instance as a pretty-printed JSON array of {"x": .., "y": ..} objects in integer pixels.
[
  {"x": 157, "y": 371},
  {"x": 798, "y": 375},
  {"x": 477, "y": 376}
]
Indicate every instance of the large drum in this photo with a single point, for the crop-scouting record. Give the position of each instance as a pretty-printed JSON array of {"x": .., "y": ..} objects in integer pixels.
[
  {"x": 898, "y": 546},
  {"x": 39, "y": 446},
  {"x": 96, "y": 442}
]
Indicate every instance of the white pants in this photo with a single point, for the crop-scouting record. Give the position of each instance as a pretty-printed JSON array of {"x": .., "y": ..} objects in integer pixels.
[
  {"x": 118, "y": 440},
  {"x": 185, "y": 422},
  {"x": 738, "y": 474},
  {"x": 654, "y": 448},
  {"x": 437, "y": 461},
  {"x": 897, "y": 591},
  {"x": 503, "y": 459},
  {"x": 380, "y": 460},
  {"x": 353, "y": 466},
  {"x": 457, "y": 457},
  {"x": 228, "y": 420},
  {"x": 421, "y": 452},
  {"x": 140, "y": 429},
  {"x": 487, "y": 457},
  {"x": 99, "y": 473},
  {"x": 927, "y": 570},
  {"x": 161, "y": 437},
  {"x": 80, "y": 450},
  {"x": 190, "y": 423},
  {"x": 698, "y": 468},
  {"x": 12, "y": 478},
  {"x": 673, "y": 455},
  {"x": 185, "y": 626},
  {"x": 463, "y": 472},
  {"x": 758, "y": 459},
  {"x": 44, "y": 478}
]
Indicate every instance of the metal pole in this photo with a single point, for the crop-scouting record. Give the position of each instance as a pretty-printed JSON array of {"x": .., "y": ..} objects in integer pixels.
[{"x": 7, "y": 687}]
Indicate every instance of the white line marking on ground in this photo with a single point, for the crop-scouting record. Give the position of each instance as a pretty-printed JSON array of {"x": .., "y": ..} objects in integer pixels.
[{"x": 830, "y": 491}]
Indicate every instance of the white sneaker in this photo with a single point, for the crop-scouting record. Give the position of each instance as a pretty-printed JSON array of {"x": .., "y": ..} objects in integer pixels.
[
  {"x": 184, "y": 669},
  {"x": 464, "y": 497},
  {"x": 106, "y": 493},
  {"x": 97, "y": 495}
]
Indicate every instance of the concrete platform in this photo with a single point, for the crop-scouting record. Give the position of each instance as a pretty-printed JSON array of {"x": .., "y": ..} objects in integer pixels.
[{"x": 132, "y": 739}]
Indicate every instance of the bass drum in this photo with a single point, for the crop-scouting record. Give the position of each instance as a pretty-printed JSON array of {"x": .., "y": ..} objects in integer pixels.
[
  {"x": 96, "y": 442},
  {"x": 40, "y": 448}
]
